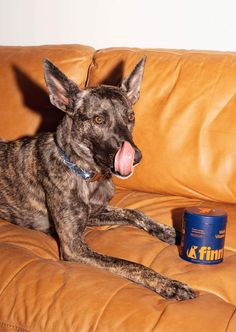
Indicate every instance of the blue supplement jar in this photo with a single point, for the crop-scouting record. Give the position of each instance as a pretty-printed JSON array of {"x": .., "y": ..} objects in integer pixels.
[{"x": 203, "y": 235}]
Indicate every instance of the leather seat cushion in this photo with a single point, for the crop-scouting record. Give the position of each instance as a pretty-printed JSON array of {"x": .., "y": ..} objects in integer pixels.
[{"x": 39, "y": 292}]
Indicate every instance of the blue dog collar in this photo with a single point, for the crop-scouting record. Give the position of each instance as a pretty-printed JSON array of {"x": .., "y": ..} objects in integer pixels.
[{"x": 85, "y": 175}]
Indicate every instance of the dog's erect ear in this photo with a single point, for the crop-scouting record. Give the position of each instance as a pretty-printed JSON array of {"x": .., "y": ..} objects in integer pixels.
[
  {"x": 131, "y": 85},
  {"x": 61, "y": 89}
]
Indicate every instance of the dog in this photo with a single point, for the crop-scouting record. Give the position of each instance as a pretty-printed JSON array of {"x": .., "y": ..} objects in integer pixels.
[{"x": 61, "y": 182}]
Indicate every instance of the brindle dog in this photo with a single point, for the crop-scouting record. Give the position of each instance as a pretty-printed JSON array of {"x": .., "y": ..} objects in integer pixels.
[{"x": 61, "y": 182}]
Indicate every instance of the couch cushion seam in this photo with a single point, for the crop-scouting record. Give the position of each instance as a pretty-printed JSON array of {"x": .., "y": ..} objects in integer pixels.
[
  {"x": 19, "y": 271},
  {"x": 107, "y": 303},
  {"x": 92, "y": 64},
  {"x": 14, "y": 326},
  {"x": 230, "y": 320},
  {"x": 155, "y": 326}
]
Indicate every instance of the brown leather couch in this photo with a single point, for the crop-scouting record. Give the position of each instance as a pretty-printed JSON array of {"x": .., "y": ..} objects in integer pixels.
[{"x": 186, "y": 129}]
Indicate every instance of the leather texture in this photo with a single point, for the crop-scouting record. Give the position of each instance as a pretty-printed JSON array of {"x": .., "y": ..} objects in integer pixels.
[
  {"x": 185, "y": 129},
  {"x": 24, "y": 103},
  {"x": 41, "y": 293},
  {"x": 185, "y": 120}
]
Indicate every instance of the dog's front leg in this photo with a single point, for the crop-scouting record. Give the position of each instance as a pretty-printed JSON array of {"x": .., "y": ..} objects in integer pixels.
[
  {"x": 70, "y": 221},
  {"x": 167, "y": 288},
  {"x": 120, "y": 216}
]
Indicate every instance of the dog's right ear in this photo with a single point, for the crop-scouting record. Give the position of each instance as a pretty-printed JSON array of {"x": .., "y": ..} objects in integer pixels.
[{"x": 61, "y": 89}]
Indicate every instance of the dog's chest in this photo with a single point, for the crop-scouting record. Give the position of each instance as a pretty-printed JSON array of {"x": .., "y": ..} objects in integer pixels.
[{"x": 99, "y": 194}]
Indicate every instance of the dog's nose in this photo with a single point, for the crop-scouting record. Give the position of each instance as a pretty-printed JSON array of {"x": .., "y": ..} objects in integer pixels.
[{"x": 137, "y": 156}]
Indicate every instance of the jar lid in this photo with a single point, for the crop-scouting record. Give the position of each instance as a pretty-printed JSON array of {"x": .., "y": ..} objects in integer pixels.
[{"x": 206, "y": 214}]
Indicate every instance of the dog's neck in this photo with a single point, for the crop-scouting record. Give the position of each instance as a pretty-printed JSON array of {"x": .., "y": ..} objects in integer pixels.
[
  {"x": 80, "y": 161},
  {"x": 86, "y": 175}
]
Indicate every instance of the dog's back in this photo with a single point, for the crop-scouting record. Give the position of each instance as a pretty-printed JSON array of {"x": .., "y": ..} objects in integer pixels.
[{"x": 22, "y": 200}]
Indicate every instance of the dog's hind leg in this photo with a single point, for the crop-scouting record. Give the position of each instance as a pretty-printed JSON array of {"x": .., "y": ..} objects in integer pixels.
[{"x": 119, "y": 216}]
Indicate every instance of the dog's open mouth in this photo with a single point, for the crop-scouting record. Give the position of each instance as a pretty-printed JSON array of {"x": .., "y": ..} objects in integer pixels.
[{"x": 124, "y": 160}]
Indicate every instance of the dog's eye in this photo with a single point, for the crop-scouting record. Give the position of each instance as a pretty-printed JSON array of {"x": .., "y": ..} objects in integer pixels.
[
  {"x": 131, "y": 117},
  {"x": 99, "y": 119}
]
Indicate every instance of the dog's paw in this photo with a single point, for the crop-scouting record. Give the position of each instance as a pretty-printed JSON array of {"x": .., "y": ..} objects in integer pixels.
[
  {"x": 178, "y": 291},
  {"x": 164, "y": 233},
  {"x": 169, "y": 235}
]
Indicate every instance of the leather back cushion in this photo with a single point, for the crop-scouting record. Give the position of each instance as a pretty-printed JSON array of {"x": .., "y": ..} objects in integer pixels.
[
  {"x": 25, "y": 108},
  {"x": 185, "y": 120}
]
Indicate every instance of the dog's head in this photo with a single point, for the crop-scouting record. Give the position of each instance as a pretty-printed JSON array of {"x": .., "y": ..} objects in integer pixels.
[{"x": 102, "y": 117}]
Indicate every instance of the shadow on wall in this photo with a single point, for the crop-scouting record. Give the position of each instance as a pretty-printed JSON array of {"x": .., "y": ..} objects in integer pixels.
[
  {"x": 37, "y": 100},
  {"x": 115, "y": 76}
]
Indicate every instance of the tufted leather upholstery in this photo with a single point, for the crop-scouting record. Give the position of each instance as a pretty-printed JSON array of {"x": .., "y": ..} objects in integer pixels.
[{"x": 185, "y": 127}]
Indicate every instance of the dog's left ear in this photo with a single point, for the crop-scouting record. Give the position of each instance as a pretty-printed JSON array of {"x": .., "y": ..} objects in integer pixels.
[
  {"x": 132, "y": 84},
  {"x": 61, "y": 89}
]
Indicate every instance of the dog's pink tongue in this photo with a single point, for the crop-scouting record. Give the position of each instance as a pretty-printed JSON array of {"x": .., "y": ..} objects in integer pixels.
[{"x": 124, "y": 159}]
